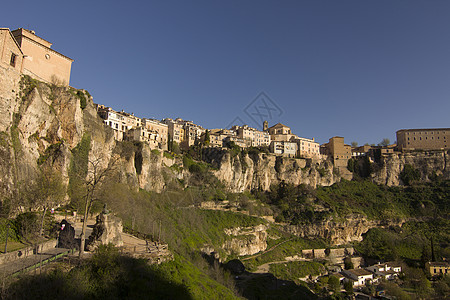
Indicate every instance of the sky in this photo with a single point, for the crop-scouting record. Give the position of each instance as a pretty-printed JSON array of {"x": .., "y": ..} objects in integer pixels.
[{"x": 351, "y": 68}]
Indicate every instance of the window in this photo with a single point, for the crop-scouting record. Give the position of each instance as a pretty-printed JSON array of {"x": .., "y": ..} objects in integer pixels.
[{"x": 13, "y": 60}]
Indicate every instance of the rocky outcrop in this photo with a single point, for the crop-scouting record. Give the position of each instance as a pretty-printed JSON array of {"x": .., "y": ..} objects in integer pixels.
[
  {"x": 339, "y": 231},
  {"x": 107, "y": 229},
  {"x": 428, "y": 163},
  {"x": 246, "y": 241},
  {"x": 259, "y": 170}
]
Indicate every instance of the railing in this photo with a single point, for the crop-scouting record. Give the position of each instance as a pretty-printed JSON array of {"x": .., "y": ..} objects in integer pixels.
[{"x": 41, "y": 263}]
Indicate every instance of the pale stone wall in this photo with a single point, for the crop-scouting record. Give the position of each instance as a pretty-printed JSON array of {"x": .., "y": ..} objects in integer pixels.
[
  {"x": 40, "y": 61},
  {"x": 8, "y": 49}
]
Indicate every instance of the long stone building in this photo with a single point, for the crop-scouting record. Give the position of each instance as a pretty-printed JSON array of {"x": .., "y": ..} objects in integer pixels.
[{"x": 423, "y": 139}]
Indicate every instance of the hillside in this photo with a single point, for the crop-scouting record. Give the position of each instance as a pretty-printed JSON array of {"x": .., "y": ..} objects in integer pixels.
[{"x": 211, "y": 206}]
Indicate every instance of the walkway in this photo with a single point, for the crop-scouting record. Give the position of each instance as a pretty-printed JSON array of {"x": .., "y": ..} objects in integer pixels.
[{"x": 27, "y": 263}]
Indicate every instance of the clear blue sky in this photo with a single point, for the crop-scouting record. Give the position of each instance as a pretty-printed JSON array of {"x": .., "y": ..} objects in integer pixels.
[{"x": 358, "y": 69}]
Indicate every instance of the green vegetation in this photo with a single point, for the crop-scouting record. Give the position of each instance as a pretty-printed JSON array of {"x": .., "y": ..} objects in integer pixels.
[
  {"x": 296, "y": 269},
  {"x": 109, "y": 275},
  {"x": 409, "y": 174},
  {"x": 185, "y": 227},
  {"x": 51, "y": 151},
  {"x": 287, "y": 246},
  {"x": 411, "y": 242},
  {"x": 295, "y": 204},
  {"x": 78, "y": 169}
]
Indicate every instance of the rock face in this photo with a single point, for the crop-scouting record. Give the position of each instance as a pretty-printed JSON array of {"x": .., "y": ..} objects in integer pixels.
[
  {"x": 42, "y": 124},
  {"x": 427, "y": 162},
  {"x": 107, "y": 229},
  {"x": 247, "y": 240},
  {"x": 260, "y": 171},
  {"x": 339, "y": 232}
]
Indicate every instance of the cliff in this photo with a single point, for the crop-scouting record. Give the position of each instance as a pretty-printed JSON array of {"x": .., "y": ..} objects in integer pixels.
[
  {"x": 43, "y": 123},
  {"x": 338, "y": 231},
  {"x": 428, "y": 163},
  {"x": 248, "y": 171}
]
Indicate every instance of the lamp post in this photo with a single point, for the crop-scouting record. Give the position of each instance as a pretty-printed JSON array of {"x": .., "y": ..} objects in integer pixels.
[{"x": 7, "y": 233}]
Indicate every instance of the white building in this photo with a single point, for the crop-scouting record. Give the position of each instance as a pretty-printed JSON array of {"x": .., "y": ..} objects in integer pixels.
[
  {"x": 358, "y": 276},
  {"x": 283, "y": 148}
]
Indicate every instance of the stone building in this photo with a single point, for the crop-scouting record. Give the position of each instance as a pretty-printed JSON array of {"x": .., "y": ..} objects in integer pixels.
[
  {"x": 140, "y": 134},
  {"x": 113, "y": 119},
  {"x": 438, "y": 268},
  {"x": 307, "y": 147},
  {"x": 40, "y": 61},
  {"x": 283, "y": 148},
  {"x": 160, "y": 131},
  {"x": 252, "y": 136},
  {"x": 192, "y": 133},
  {"x": 282, "y": 133},
  {"x": 217, "y": 137},
  {"x": 338, "y": 151},
  {"x": 423, "y": 139},
  {"x": 175, "y": 130},
  {"x": 11, "y": 55}
]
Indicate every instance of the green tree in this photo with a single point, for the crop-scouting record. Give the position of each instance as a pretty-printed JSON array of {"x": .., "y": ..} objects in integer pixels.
[
  {"x": 354, "y": 144},
  {"x": 207, "y": 138},
  {"x": 409, "y": 174},
  {"x": 333, "y": 284},
  {"x": 348, "y": 286},
  {"x": 385, "y": 142}
]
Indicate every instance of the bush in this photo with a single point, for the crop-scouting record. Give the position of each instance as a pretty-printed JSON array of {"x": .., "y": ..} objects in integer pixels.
[{"x": 409, "y": 174}]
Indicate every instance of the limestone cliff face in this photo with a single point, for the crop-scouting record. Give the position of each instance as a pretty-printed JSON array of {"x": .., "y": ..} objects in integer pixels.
[
  {"x": 427, "y": 162},
  {"x": 42, "y": 123},
  {"x": 259, "y": 171},
  {"x": 246, "y": 241},
  {"x": 341, "y": 231}
]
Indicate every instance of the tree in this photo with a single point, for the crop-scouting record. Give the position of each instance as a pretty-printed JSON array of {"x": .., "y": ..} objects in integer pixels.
[
  {"x": 409, "y": 174},
  {"x": 46, "y": 191},
  {"x": 348, "y": 286},
  {"x": 207, "y": 138},
  {"x": 354, "y": 144},
  {"x": 385, "y": 142},
  {"x": 333, "y": 284},
  {"x": 348, "y": 264},
  {"x": 98, "y": 171}
]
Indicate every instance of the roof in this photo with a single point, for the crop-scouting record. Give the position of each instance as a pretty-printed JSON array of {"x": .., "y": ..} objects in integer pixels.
[
  {"x": 14, "y": 39},
  {"x": 439, "y": 264},
  {"x": 37, "y": 40},
  {"x": 359, "y": 272},
  {"x": 422, "y": 129},
  {"x": 279, "y": 125}
]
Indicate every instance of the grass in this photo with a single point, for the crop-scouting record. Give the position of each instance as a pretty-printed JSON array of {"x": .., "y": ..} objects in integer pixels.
[
  {"x": 12, "y": 246},
  {"x": 296, "y": 269},
  {"x": 288, "y": 248}
]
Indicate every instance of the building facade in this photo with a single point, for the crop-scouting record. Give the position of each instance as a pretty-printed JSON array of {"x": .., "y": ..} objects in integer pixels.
[
  {"x": 339, "y": 152},
  {"x": 11, "y": 55},
  {"x": 423, "y": 139},
  {"x": 40, "y": 61},
  {"x": 307, "y": 147},
  {"x": 283, "y": 148},
  {"x": 252, "y": 136},
  {"x": 160, "y": 131}
]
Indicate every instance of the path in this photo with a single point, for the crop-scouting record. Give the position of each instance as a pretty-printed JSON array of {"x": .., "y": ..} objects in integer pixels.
[{"x": 21, "y": 264}]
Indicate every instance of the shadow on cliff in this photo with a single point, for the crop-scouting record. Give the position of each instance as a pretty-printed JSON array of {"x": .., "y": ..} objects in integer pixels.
[{"x": 107, "y": 275}]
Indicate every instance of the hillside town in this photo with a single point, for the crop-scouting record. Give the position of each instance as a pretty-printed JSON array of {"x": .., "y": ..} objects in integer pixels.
[
  {"x": 26, "y": 53},
  {"x": 23, "y": 52}
]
